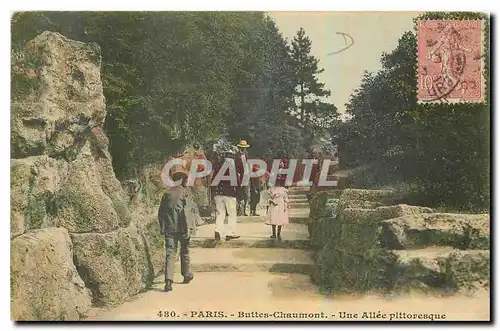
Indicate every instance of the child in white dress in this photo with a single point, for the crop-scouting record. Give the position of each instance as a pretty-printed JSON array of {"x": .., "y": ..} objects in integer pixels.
[{"x": 277, "y": 208}]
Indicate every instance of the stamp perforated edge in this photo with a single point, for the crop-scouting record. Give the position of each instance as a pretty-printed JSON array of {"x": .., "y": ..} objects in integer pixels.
[{"x": 482, "y": 100}]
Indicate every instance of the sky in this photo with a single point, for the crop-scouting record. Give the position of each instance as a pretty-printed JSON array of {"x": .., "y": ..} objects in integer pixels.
[{"x": 373, "y": 34}]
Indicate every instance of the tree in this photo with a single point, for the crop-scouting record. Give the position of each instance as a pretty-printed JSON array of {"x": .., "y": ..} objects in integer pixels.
[
  {"x": 308, "y": 88},
  {"x": 442, "y": 150},
  {"x": 265, "y": 92},
  {"x": 174, "y": 78},
  {"x": 326, "y": 115}
]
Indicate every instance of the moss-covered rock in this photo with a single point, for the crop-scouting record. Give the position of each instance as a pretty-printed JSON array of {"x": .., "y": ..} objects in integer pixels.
[
  {"x": 441, "y": 268},
  {"x": 321, "y": 231},
  {"x": 87, "y": 202},
  {"x": 419, "y": 270},
  {"x": 351, "y": 246},
  {"x": 108, "y": 182},
  {"x": 55, "y": 117},
  {"x": 114, "y": 265},
  {"x": 358, "y": 267},
  {"x": 151, "y": 188},
  {"x": 323, "y": 210},
  {"x": 468, "y": 271},
  {"x": 62, "y": 175},
  {"x": 34, "y": 181},
  {"x": 381, "y": 196},
  {"x": 352, "y": 259},
  {"x": 322, "y": 205},
  {"x": 464, "y": 231},
  {"x": 155, "y": 242},
  {"x": 360, "y": 215},
  {"x": 354, "y": 203},
  {"x": 45, "y": 285}
]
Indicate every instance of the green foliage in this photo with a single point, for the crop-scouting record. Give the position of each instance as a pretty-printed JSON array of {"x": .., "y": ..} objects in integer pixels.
[
  {"x": 309, "y": 90},
  {"x": 347, "y": 264},
  {"x": 441, "y": 150},
  {"x": 175, "y": 78}
]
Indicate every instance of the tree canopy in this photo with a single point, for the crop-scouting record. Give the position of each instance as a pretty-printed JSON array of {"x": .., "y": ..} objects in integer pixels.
[{"x": 175, "y": 78}]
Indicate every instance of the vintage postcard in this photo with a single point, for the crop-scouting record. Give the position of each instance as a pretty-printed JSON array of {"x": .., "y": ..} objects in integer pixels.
[{"x": 250, "y": 166}]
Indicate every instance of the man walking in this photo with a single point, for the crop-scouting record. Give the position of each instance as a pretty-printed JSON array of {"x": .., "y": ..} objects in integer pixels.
[
  {"x": 177, "y": 221},
  {"x": 225, "y": 199},
  {"x": 243, "y": 195}
]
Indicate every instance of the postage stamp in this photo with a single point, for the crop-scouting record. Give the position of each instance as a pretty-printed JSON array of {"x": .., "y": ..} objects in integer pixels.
[{"x": 450, "y": 61}]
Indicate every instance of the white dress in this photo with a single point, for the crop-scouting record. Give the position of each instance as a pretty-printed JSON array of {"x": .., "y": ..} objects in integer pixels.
[{"x": 277, "y": 212}]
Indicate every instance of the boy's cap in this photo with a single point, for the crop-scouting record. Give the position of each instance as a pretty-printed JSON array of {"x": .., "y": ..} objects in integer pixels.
[{"x": 179, "y": 175}]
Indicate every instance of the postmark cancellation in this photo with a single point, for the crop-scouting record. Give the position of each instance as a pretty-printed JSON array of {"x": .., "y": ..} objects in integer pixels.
[{"x": 451, "y": 59}]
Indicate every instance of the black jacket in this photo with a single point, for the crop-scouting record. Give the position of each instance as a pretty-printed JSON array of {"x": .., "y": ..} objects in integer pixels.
[{"x": 177, "y": 212}]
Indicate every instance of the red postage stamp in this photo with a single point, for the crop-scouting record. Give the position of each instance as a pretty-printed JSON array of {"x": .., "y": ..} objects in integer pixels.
[{"x": 450, "y": 61}]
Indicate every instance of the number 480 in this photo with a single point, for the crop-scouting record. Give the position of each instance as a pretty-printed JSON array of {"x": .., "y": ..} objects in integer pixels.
[{"x": 164, "y": 313}]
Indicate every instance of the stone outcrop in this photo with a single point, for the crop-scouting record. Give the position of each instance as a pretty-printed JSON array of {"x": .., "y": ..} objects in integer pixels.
[
  {"x": 454, "y": 270},
  {"x": 61, "y": 170},
  {"x": 464, "y": 231},
  {"x": 64, "y": 192},
  {"x": 34, "y": 182},
  {"x": 396, "y": 247},
  {"x": 45, "y": 284},
  {"x": 114, "y": 265},
  {"x": 374, "y": 216},
  {"x": 91, "y": 199},
  {"x": 65, "y": 102},
  {"x": 380, "y": 196}
]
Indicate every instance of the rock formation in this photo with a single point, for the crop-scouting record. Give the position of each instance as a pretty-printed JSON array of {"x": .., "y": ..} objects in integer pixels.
[
  {"x": 74, "y": 239},
  {"x": 396, "y": 247}
]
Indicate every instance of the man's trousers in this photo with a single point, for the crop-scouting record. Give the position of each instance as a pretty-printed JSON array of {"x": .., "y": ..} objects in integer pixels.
[{"x": 171, "y": 243}]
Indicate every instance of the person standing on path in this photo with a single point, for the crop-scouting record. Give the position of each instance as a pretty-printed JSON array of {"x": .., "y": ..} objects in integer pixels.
[
  {"x": 177, "y": 222},
  {"x": 255, "y": 189},
  {"x": 277, "y": 210},
  {"x": 242, "y": 168},
  {"x": 225, "y": 201}
]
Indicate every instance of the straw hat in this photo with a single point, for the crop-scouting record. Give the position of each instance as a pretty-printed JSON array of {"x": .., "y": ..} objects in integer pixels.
[{"x": 243, "y": 144}]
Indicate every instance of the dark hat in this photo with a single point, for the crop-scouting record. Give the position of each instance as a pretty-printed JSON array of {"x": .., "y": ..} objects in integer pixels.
[{"x": 179, "y": 175}]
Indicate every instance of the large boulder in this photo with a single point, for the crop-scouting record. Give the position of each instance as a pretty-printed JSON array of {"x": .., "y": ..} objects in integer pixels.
[
  {"x": 356, "y": 203},
  {"x": 322, "y": 205},
  {"x": 113, "y": 265},
  {"x": 62, "y": 173},
  {"x": 149, "y": 228},
  {"x": 85, "y": 202},
  {"x": 381, "y": 196},
  {"x": 468, "y": 271},
  {"x": 45, "y": 284},
  {"x": 374, "y": 216},
  {"x": 350, "y": 245},
  {"x": 464, "y": 231},
  {"x": 62, "y": 176},
  {"x": 57, "y": 96},
  {"x": 324, "y": 227},
  {"x": 34, "y": 181},
  {"x": 442, "y": 268}
]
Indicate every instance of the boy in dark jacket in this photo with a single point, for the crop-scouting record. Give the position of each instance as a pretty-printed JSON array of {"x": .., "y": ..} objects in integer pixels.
[{"x": 177, "y": 221}]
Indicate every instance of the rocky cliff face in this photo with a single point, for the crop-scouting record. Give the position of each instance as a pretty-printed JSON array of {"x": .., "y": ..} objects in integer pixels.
[{"x": 74, "y": 240}]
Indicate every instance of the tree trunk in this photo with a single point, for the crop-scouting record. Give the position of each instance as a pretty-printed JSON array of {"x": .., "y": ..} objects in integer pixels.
[{"x": 302, "y": 110}]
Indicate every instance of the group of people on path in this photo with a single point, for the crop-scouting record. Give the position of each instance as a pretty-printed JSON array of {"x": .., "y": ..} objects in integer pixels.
[
  {"x": 231, "y": 201},
  {"x": 176, "y": 214}
]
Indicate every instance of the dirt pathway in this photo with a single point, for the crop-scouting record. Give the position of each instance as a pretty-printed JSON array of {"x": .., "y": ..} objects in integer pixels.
[{"x": 256, "y": 278}]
